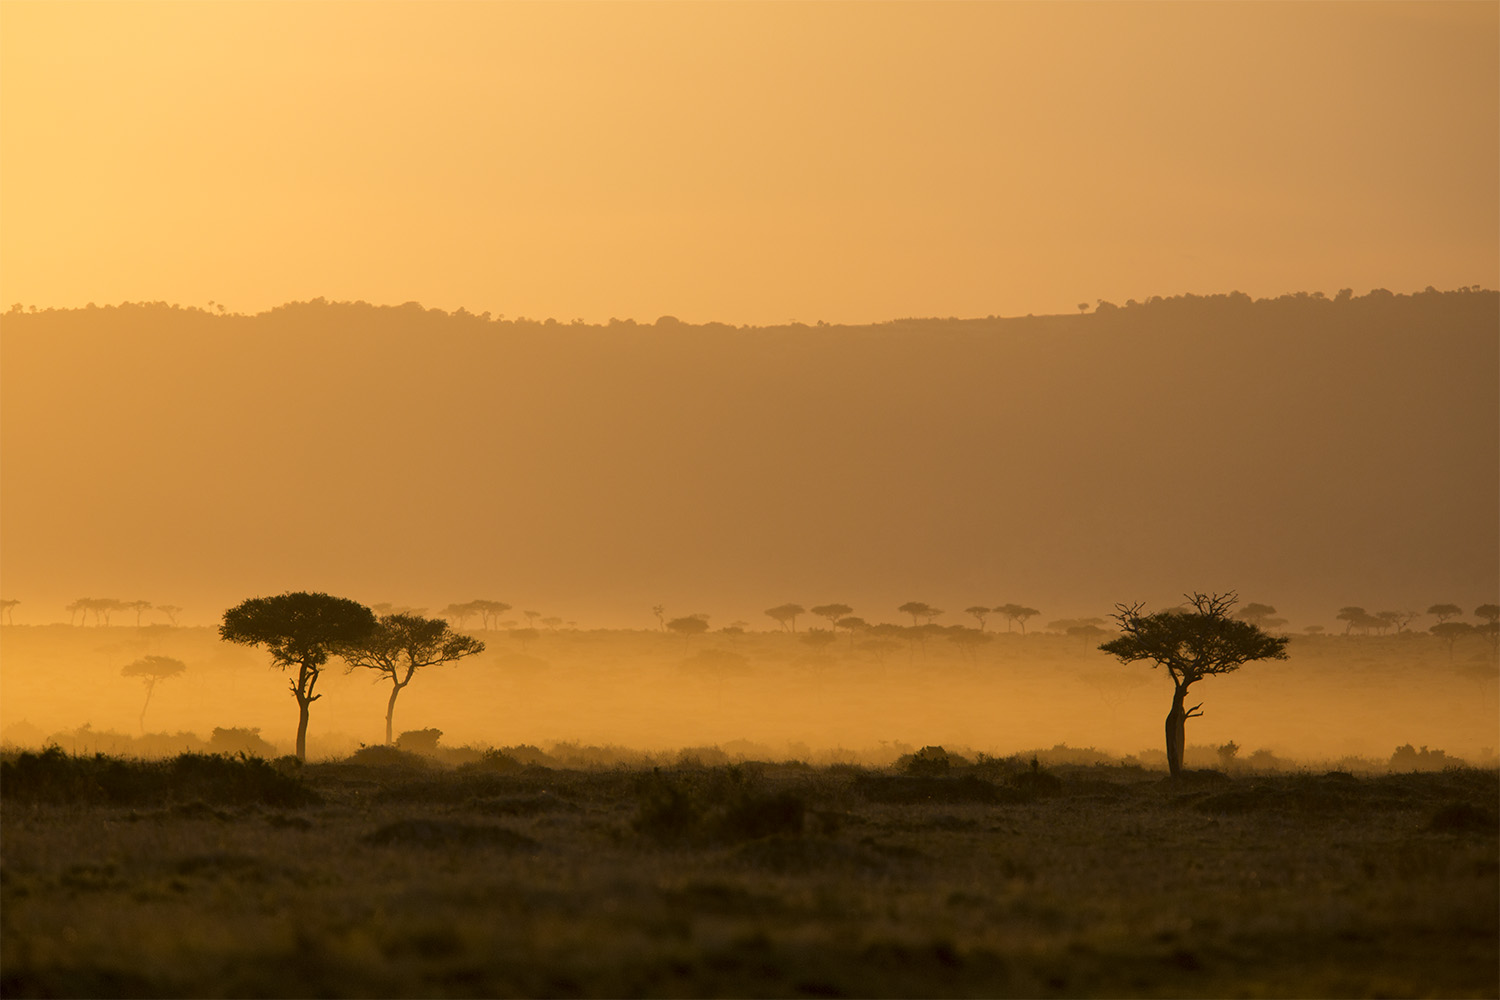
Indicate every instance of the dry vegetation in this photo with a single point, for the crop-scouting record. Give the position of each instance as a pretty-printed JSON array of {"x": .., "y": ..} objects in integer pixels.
[{"x": 390, "y": 874}]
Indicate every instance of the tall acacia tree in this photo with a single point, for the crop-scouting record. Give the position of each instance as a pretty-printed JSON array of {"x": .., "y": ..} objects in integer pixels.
[
  {"x": 1192, "y": 645},
  {"x": 400, "y": 645},
  {"x": 299, "y": 630},
  {"x": 152, "y": 669}
]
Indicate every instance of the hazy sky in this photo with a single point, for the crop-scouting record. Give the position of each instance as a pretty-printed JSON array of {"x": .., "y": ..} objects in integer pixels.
[{"x": 743, "y": 162}]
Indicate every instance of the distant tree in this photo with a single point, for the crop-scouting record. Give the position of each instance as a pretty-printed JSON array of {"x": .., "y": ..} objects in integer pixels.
[
  {"x": 299, "y": 630},
  {"x": 1451, "y": 632},
  {"x": 919, "y": 609},
  {"x": 879, "y": 647},
  {"x": 400, "y": 645},
  {"x": 1387, "y": 620},
  {"x": 1255, "y": 614},
  {"x": 818, "y": 638},
  {"x": 1491, "y": 627},
  {"x": 660, "y": 611},
  {"x": 171, "y": 611},
  {"x": 138, "y": 607},
  {"x": 7, "y": 604},
  {"x": 968, "y": 640},
  {"x": 104, "y": 605},
  {"x": 1353, "y": 617},
  {"x": 833, "y": 612},
  {"x": 490, "y": 612},
  {"x": 525, "y": 636},
  {"x": 1227, "y": 752},
  {"x": 1205, "y": 642},
  {"x": 77, "y": 608},
  {"x": 1314, "y": 629},
  {"x": 152, "y": 669},
  {"x": 1445, "y": 611},
  {"x": 786, "y": 615},
  {"x": 460, "y": 613},
  {"x": 852, "y": 625},
  {"x": 690, "y": 626},
  {"x": 531, "y": 617},
  {"x": 979, "y": 612},
  {"x": 1067, "y": 625},
  {"x": 1083, "y": 307},
  {"x": 552, "y": 622},
  {"x": 1017, "y": 613}
]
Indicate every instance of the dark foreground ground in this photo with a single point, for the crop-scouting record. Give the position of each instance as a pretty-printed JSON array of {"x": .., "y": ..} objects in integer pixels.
[{"x": 205, "y": 876}]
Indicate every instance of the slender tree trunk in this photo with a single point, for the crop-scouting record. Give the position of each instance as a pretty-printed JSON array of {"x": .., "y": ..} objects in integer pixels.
[
  {"x": 1176, "y": 730},
  {"x": 390, "y": 711},
  {"x": 302, "y": 707},
  {"x": 150, "y": 686}
]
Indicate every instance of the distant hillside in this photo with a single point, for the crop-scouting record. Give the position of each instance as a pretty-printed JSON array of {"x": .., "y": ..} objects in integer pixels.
[{"x": 1310, "y": 451}]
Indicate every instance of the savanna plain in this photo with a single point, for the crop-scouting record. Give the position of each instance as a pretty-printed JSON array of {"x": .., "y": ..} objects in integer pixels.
[{"x": 761, "y": 866}]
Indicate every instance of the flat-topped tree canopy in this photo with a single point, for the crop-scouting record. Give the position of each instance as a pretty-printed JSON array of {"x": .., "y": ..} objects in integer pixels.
[{"x": 300, "y": 628}]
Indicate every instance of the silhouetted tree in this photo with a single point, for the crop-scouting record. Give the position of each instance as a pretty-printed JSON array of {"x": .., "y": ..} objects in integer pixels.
[
  {"x": 299, "y": 630},
  {"x": 833, "y": 612},
  {"x": 919, "y": 609},
  {"x": 786, "y": 615},
  {"x": 1255, "y": 614},
  {"x": 171, "y": 611},
  {"x": 690, "y": 626},
  {"x": 525, "y": 636},
  {"x": 979, "y": 612},
  {"x": 1491, "y": 627},
  {"x": 460, "y": 613},
  {"x": 531, "y": 617},
  {"x": 969, "y": 640},
  {"x": 1202, "y": 643},
  {"x": 7, "y": 604},
  {"x": 818, "y": 638},
  {"x": 1017, "y": 613},
  {"x": 660, "y": 611},
  {"x": 490, "y": 612},
  {"x": 1445, "y": 611},
  {"x": 1354, "y": 617},
  {"x": 152, "y": 669},
  {"x": 1451, "y": 632},
  {"x": 400, "y": 645},
  {"x": 138, "y": 607}
]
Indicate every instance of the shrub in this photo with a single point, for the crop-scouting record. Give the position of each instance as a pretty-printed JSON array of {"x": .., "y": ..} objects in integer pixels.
[{"x": 54, "y": 776}]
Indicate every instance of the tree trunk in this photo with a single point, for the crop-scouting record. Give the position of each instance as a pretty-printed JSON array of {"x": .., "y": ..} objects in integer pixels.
[
  {"x": 1176, "y": 730},
  {"x": 302, "y": 707},
  {"x": 390, "y": 711},
  {"x": 150, "y": 686}
]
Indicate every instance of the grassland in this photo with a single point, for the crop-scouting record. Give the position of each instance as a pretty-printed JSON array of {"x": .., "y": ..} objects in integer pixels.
[{"x": 387, "y": 874}]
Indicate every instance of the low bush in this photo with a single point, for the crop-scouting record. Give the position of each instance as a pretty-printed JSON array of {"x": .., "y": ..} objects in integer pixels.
[{"x": 57, "y": 777}]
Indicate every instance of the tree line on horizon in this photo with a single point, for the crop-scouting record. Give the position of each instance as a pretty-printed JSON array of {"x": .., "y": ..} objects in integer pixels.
[
  {"x": 841, "y": 616},
  {"x": 1235, "y": 300}
]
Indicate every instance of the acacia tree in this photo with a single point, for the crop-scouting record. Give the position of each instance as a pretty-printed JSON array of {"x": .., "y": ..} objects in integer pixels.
[
  {"x": 1445, "y": 611},
  {"x": 299, "y": 630},
  {"x": 786, "y": 615},
  {"x": 152, "y": 669},
  {"x": 690, "y": 626},
  {"x": 833, "y": 612},
  {"x": 138, "y": 607},
  {"x": 400, "y": 645},
  {"x": 1017, "y": 613},
  {"x": 980, "y": 612},
  {"x": 171, "y": 611},
  {"x": 7, "y": 604},
  {"x": 919, "y": 609},
  {"x": 1193, "y": 645}
]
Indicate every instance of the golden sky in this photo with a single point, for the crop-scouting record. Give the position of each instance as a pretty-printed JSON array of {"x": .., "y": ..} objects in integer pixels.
[{"x": 743, "y": 162}]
